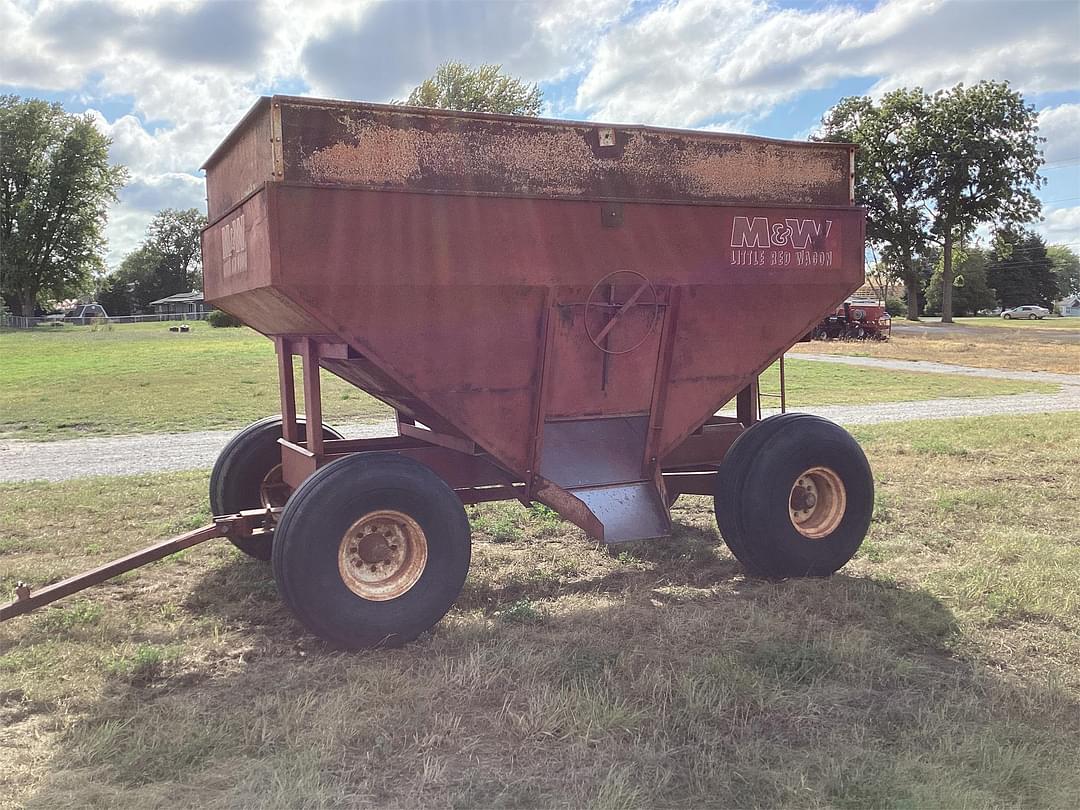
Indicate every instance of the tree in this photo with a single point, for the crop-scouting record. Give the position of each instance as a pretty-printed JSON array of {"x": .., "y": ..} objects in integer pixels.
[
  {"x": 971, "y": 291},
  {"x": 167, "y": 262},
  {"x": 890, "y": 177},
  {"x": 981, "y": 145},
  {"x": 1021, "y": 272},
  {"x": 1066, "y": 266},
  {"x": 114, "y": 292},
  {"x": 55, "y": 185},
  {"x": 457, "y": 86}
]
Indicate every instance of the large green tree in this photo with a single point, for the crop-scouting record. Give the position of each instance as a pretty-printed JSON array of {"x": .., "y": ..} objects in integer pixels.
[
  {"x": 168, "y": 261},
  {"x": 1066, "y": 265},
  {"x": 1021, "y": 272},
  {"x": 890, "y": 177},
  {"x": 981, "y": 145},
  {"x": 485, "y": 88},
  {"x": 971, "y": 290},
  {"x": 56, "y": 183}
]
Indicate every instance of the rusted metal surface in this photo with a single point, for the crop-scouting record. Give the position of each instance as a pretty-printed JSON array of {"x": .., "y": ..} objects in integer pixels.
[
  {"x": 493, "y": 278},
  {"x": 382, "y": 555},
  {"x": 393, "y": 147},
  {"x": 244, "y": 523}
]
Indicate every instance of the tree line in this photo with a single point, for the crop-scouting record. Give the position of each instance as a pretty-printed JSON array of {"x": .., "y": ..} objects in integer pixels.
[{"x": 931, "y": 171}]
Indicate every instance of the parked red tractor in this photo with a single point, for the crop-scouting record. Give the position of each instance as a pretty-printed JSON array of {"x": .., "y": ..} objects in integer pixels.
[{"x": 855, "y": 319}]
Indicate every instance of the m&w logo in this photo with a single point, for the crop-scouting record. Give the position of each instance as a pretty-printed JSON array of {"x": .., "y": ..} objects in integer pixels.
[{"x": 761, "y": 232}]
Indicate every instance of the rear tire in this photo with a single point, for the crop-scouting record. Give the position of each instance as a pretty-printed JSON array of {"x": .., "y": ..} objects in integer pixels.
[
  {"x": 371, "y": 550},
  {"x": 241, "y": 471},
  {"x": 794, "y": 497}
]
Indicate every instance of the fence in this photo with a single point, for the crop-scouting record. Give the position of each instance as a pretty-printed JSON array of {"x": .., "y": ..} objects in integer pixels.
[{"x": 20, "y": 322}]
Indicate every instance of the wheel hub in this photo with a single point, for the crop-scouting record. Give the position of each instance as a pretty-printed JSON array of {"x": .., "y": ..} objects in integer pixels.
[
  {"x": 382, "y": 555},
  {"x": 817, "y": 503},
  {"x": 273, "y": 491}
]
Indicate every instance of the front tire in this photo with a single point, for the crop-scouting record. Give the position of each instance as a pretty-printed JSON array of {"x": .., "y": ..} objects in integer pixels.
[
  {"x": 371, "y": 550},
  {"x": 246, "y": 475},
  {"x": 796, "y": 498}
]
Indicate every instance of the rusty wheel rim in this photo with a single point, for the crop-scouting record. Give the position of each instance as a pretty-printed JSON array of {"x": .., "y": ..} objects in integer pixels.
[
  {"x": 273, "y": 491},
  {"x": 382, "y": 555},
  {"x": 817, "y": 503}
]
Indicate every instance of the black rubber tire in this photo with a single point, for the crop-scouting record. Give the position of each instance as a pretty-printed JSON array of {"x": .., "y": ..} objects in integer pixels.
[
  {"x": 729, "y": 480},
  {"x": 1033, "y": 317},
  {"x": 1008, "y": 317},
  {"x": 309, "y": 534},
  {"x": 754, "y": 485},
  {"x": 239, "y": 472}
]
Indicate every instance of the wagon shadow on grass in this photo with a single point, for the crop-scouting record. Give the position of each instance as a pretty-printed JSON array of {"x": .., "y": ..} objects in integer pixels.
[{"x": 763, "y": 685}]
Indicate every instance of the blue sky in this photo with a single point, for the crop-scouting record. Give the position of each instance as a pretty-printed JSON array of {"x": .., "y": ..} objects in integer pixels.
[{"x": 167, "y": 80}]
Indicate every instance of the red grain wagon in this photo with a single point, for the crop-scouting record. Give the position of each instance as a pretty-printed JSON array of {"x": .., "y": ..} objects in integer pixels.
[{"x": 555, "y": 310}]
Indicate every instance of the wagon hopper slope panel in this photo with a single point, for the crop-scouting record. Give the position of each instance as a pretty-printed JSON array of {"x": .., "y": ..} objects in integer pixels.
[{"x": 574, "y": 298}]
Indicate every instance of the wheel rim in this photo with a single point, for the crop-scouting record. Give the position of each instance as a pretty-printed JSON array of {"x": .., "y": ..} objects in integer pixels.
[
  {"x": 817, "y": 502},
  {"x": 273, "y": 491},
  {"x": 382, "y": 555}
]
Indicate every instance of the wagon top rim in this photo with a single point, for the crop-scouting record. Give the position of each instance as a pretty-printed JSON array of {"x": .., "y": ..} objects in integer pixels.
[{"x": 264, "y": 101}]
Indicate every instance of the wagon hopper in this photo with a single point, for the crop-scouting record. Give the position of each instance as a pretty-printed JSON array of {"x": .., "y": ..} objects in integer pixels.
[{"x": 555, "y": 310}]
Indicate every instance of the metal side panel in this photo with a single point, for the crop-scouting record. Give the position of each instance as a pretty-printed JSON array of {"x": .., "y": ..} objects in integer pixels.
[
  {"x": 586, "y": 452},
  {"x": 628, "y": 511}
]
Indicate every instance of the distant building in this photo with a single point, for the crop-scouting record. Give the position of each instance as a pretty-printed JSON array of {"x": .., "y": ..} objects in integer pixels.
[
  {"x": 1069, "y": 306},
  {"x": 185, "y": 303}
]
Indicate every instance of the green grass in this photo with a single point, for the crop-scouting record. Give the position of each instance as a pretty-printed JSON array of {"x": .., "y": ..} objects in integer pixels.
[
  {"x": 939, "y": 669},
  {"x": 142, "y": 378},
  {"x": 80, "y": 381}
]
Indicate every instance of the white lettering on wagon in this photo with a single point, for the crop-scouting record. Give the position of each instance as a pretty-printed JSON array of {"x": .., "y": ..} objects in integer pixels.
[
  {"x": 233, "y": 247},
  {"x": 788, "y": 242}
]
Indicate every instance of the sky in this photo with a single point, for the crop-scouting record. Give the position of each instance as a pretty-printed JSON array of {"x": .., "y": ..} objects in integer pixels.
[{"x": 168, "y": 80}]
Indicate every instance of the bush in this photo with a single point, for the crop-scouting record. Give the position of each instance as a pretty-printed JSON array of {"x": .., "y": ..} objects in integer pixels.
[
  {"x": 895, "y": 307},
  {"x": 219, "y": 318}
]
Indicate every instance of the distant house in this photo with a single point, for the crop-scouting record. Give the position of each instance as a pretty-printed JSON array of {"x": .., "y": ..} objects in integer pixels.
[
  {"x": 185, "y": 303},
  {"x": 1069, "y": 306}
]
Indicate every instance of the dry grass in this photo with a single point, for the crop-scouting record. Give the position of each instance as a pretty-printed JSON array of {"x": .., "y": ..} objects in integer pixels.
[
  {"x": 983, "y": 348},
  {"x": 939, "y": 669},
  {"x": 1021, "y": 323}
]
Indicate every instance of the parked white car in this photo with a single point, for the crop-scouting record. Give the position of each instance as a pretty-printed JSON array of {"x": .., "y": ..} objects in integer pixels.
[{"x": 1029, "y": 312}]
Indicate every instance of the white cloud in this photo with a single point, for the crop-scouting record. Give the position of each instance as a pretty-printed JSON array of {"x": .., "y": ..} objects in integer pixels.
[
  {"x": 1061, "y": 127},
  {"x": 1061, "y": 226},
  {"x": 390, "y": 47},
  {"x": 694, "y": 61}
]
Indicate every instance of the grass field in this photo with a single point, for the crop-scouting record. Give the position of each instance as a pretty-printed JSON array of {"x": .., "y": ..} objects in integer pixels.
[
  {"x": 983, "y": 348},
  {"x": 141, "y": 378},
  {"x": 939, "y": 669}
]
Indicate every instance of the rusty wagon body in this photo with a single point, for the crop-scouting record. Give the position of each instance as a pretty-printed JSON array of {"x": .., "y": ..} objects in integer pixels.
[{"x": 555, "y": 310}]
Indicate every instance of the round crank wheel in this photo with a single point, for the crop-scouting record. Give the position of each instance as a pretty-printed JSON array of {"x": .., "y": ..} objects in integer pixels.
[
  {"x": 247, "y": 475},
  {"x": 794, "y": 497},
  {"x": 371, "y": 550}
]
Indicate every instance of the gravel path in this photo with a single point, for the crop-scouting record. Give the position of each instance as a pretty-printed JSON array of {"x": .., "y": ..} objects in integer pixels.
[
  {"x": 129, "y": 455},
  {"x": 132, "y": 455}
]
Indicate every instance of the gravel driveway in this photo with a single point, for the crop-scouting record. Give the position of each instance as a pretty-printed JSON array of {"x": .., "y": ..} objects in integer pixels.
[{"x": 128, "y": 455}]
